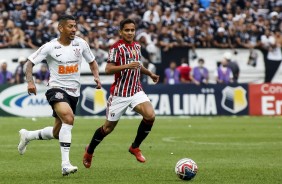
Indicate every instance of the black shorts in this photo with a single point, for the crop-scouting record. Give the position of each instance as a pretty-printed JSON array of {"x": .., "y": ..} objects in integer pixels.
[{"x": 54, "y": 95}]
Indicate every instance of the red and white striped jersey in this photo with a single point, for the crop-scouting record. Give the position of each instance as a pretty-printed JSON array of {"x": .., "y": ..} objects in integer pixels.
[{"x": 127, "y": 82}]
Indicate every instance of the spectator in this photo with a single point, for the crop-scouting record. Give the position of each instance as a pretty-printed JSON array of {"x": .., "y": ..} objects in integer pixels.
[
  {"x": 273, "y": 54},
  {"x": 221, "y": 39},
  {"x": 184, "y": 71},
  {"x": 4, "y": 36},
  {"x": 43, "y": 75},
  {"x": 275, "y": 22},
  {"x": 6, "y": 77},
  {"x": 148, "y": 48},
  {"x": 17, "y": 38},
  {"x": 233, "y": 65},
  {"x": 172, "y": 74},
  {"x": 143, "y": 42},
  {"x": 151, "y": 67},
  {"x": 31, "y": 7},
  {"x": 190, "y": 42},
  {"x": 165, "y": 39},
  {"x": 151, "y": 15},
  {"x": 36, "y": 40},
  {"x": 167, "y": 19},
  {"x": 8, "y": 23},
  {"x": 19, "y": 74},
  {"x": 16, "y": 13},
  {"x": 200, "y": 74},
  {"x": 223, "y": 73}
]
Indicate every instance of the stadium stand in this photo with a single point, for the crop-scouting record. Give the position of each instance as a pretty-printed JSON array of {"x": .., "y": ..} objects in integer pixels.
[{"x": 166, "y": 25}]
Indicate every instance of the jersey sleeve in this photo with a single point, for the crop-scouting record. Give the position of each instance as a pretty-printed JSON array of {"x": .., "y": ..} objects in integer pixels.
[
  {"x": 40, "y": 54},
  {"x": 113, "y": 55},
  {"x": 87, "y": 53}
]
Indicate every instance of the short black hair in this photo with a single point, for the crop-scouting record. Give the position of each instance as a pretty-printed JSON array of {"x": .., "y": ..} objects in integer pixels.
[
  {"x": 66, "y": 17},
  {"x": 201, "y": 60},
  {"x": 126, "y": 21}
]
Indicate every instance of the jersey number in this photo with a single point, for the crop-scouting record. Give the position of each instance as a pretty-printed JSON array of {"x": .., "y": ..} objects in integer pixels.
[{"x": 68, "y": 69}]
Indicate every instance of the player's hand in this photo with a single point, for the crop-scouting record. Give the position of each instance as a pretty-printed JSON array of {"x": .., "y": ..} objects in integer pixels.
[
  {"x": 155, "y": 78},
  {"x": 31, "y": 88},
  {"x": 133, "y": 65},
  {"x": 98, "y": 83}
]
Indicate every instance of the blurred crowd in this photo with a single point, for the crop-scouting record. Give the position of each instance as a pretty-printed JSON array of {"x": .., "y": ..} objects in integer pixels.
[{"x": 162, "y": 24}]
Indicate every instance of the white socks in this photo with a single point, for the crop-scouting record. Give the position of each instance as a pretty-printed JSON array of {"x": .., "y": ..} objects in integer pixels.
[
  {"x": 65, "y": 142},
  {"x": 42, "y": 134}
]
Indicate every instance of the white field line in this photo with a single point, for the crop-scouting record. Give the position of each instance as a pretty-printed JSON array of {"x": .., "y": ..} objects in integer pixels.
[{"x": 178, "y": 140}]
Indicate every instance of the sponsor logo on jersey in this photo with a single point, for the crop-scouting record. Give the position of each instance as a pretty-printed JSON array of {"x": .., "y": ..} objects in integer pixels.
[
  {"x": 94, "y": 100},
  {"x": 58, "y": 47},
  {"x": 75, "y": 44},
  {"x": 15, "y": 100},
  {"x": 67, "y": 69},
  {"x": 234, "y": 99}
]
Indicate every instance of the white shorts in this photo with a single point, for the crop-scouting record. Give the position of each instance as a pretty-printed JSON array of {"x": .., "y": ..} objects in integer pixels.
[{"x": 117, "y": 105}]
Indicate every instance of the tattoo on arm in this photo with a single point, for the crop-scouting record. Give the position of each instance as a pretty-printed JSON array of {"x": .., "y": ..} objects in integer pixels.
[{"x": 28, "y": 72}]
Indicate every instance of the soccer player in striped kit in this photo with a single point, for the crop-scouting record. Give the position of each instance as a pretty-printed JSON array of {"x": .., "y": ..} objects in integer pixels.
[{"x": 126, "y": 91}]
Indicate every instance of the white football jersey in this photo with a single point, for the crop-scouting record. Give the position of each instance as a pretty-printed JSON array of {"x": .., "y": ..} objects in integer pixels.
[{"x": 64, "y": 62}]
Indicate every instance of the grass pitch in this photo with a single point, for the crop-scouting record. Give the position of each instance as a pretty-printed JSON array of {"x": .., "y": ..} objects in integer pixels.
[{"x": 228, "y": 150}]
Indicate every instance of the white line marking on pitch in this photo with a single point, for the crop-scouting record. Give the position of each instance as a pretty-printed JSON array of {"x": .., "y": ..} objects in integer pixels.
[{"x": 178, "y": 139}]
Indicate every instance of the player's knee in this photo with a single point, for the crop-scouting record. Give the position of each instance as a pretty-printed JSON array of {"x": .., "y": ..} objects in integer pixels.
[
  {"x": 68, "y": 119},
  {"x": 149, "y": 118},
  {"x": 56, "y": 136},
  {"x": 149, "y": 121},
  {"x": 108, "y": 129}
]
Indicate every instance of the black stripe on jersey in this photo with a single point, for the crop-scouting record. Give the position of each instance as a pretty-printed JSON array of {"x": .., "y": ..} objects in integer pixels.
[
  {"x": 124, "y": 72},
  {"x": 127, "y": 72},
  {"x": 131, "y": 80},
  {"x": 118, "y": 59}
]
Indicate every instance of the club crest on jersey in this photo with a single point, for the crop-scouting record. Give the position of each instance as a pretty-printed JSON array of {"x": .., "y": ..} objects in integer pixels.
[
  {"x": 59, "y": 95},
  {"x": 77, "y": 52},
  {"x": 134, "y": 53}
]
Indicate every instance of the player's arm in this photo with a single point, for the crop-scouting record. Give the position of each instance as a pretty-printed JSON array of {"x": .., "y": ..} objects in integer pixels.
[
  {"x": 153, "y": 76},
  {"x": 112, "y": 68},
  {"x": 31, "y": 88},
  {"x": 34, "y": 59},
  {"x": 95, "y": 71}
]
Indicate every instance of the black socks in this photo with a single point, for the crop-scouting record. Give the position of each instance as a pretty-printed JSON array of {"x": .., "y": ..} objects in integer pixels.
[
  {"x": 142, "y": 132},
  {"x": 96, "y": 139}
]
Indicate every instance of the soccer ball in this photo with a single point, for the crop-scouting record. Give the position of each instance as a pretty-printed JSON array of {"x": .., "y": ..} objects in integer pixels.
[{"x": 186, "y": 169}]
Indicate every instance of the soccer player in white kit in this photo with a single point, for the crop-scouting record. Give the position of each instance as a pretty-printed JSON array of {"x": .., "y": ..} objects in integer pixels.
[{"x": 64, "y": 57}]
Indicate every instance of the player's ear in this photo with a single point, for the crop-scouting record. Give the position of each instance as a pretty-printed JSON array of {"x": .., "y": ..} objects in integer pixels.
[
  {"x": 60, "y": 28},
  {"x": 119, "y": 32}
]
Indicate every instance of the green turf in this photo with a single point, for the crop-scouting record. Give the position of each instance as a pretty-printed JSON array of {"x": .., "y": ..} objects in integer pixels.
[{"x": 228, "y": 150}]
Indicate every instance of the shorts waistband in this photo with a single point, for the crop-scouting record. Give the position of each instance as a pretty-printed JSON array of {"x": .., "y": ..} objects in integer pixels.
[{"x": 66, "y": 89}]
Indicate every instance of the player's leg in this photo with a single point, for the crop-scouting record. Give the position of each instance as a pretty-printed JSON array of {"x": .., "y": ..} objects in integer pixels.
[
  {"x": 66, "y": 115},
  {"x": 116, "y": 106},
  {"x": 46, "y": 133},
  {"x": 97, "y": 138},
  {"x": 145, "y": 126},
  {"x": 145, "y": 108}
]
